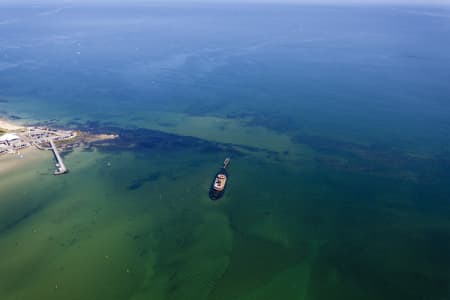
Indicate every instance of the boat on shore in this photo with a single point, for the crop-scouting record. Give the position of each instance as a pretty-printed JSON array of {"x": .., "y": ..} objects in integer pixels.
[{"x": 219, "y": 182}]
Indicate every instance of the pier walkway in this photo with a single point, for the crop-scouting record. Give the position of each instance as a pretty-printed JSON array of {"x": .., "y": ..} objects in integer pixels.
[{"x": 60, "y": 167}]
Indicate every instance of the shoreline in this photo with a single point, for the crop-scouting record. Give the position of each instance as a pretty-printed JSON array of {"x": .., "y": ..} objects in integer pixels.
[
  {"x": 22, "y": 145},
  {"x": 8, "y": 125}
]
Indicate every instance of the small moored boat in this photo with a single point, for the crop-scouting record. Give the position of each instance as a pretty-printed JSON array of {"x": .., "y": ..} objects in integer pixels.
[{"x": 219, "y": 183}]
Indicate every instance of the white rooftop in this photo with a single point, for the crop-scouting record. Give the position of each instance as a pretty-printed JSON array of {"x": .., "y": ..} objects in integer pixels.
[{"x": 8, "y": 137}]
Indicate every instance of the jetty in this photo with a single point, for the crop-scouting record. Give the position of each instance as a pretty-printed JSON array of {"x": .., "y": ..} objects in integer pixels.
[{"x": 60, "y": 167}]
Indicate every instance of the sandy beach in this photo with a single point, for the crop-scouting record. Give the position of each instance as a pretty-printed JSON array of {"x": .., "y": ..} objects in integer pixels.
[{"x": 8, "y": 125}]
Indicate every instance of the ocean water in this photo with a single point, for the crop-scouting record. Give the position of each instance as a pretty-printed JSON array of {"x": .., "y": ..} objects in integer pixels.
[{"x": 336, "y": 119}]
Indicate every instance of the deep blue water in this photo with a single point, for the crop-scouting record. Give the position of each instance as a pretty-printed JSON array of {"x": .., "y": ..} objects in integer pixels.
[{"x": 371, "y": 72}]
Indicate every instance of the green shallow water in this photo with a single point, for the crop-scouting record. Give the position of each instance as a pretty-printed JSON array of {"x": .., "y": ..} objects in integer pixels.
[{"x": 108, "y": 230}]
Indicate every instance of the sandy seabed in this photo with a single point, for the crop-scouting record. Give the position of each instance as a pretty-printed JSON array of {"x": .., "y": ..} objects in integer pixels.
[{"x": 23, "y": 158}]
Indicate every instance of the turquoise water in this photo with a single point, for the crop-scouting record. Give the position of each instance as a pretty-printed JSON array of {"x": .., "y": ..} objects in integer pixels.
[{"x": 336, "y": 120}]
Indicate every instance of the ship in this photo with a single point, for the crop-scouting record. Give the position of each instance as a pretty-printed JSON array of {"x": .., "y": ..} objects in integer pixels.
[{"x": 219, "y": 182}]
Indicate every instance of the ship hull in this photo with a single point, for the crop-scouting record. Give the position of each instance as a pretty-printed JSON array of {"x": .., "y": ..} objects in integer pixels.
[{"x": 215, "y": 194}]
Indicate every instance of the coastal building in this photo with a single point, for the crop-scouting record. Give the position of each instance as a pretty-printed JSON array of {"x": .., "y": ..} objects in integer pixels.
[
  {"x": 8, "y": 137},
  {"x": 3, "y": 148}
]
